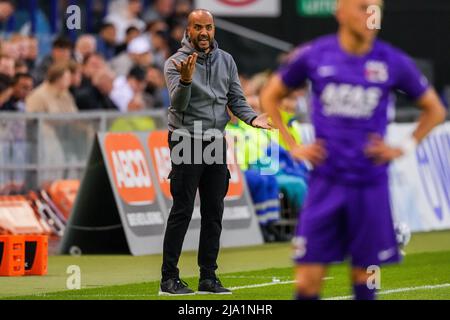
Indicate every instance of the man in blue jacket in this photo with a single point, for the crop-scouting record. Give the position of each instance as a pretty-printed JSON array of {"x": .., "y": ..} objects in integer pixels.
[{"x": 202, "y": 80}]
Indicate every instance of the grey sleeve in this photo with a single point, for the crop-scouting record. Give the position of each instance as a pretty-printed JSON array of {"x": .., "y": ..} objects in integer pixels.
[
  {"x": 179, "y": 94},
  {"x": 236, "y": 100}
]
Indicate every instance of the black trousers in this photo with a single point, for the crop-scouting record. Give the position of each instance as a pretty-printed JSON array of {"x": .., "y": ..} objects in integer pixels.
[{"x": 212, "y": 181}]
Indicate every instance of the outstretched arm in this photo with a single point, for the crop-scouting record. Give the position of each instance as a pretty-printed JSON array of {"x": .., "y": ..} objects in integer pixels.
[{"x": 271, "y": 98}]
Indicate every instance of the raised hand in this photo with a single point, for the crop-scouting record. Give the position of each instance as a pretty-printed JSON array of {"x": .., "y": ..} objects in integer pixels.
[{"x": 186, "y": 67}]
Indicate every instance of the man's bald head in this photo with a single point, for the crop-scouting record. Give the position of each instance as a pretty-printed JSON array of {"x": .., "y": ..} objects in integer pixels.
[
  {"x": 200, "y": 14},
  {"x": 353, "y": 16},
  {"x": 348, "y": 3},
  {"x": 201, "y": 29}
]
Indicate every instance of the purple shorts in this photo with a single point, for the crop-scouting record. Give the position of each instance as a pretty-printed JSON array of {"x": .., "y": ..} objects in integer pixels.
[{"x": 340, "y": 221}]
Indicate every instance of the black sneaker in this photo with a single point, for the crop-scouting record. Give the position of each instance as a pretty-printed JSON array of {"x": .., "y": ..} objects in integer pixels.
[
  {"x": 212, "y": 286},
  {"x": 173, "y": 287}
]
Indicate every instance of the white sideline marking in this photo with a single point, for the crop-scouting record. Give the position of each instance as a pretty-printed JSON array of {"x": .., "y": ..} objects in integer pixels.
[
  {"x": 273, "y": 283},
  {"x": 155, "y": 295},
  {"x": 252, "y": 277},
  {"x": 407, "y": 289}
]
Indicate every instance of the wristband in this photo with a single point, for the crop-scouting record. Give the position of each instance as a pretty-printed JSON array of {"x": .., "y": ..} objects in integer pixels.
[{"x": 185, "y": 83}]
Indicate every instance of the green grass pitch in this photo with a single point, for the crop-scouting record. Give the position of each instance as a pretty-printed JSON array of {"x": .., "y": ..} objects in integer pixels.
[{"x": 254, "y": 273}]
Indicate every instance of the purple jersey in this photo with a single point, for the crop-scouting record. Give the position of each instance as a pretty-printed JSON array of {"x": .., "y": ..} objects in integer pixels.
[{"x": 350, "y": 99}]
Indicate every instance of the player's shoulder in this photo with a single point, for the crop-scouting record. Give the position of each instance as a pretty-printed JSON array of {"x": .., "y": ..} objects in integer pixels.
[
  {"x": 314, "y": 47},
  {"x": 389, "y": 51},
  {"x": 324, "y": 42}
]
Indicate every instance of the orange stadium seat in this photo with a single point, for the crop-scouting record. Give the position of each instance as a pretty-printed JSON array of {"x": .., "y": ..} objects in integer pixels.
[{"x": 18, "y": 218}]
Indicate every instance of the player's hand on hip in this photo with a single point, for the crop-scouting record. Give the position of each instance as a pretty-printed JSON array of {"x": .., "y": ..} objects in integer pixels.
[
  {"x": 380, "y": 152},
  {"x": 186, "y": 67},
  {"x": 262, "y": 122},
  {"x": 314, "y": 153}
]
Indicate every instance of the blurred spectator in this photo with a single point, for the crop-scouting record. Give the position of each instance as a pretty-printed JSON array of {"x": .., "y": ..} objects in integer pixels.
[
  {"x": 131, "y": 34},
  {"x": 106, "y": 41},
  {"x": 61, "y": 53},
  {"x": 21, "y": 67},
  {"x": 291, "y": 177},
  {"x": 97, "y": 96},
  {"x": 91, "y": 65},
  {"x": 32, "y": 52},
  {"x": 124, "y": 14},
  {"x": 6, "y": 10},
  {"x": 53, "y": 95},
  {"x": 21, "y": 87},
  {"x": 160, "y": 10},
  {"x": 8, "y": 49},
  {"x": 85, "y": 45},
  {"x": 7, "y": 66},
  {"x": 176, "y": 36},
  {"x": 138, "y": 53},
  {"x": 128, "y": 91},
  {"x": 20, "y": 46},
  {"x": 159, "y": 35},
  {"x": 182, "y": 10},
  {"x": 158, "y": 94},
  {"x": 5, "y": 91},
  {"x": 75, "y": 77}
]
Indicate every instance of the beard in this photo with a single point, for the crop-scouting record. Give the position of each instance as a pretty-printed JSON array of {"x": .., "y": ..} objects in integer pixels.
[{"x": 197, "y": 41}]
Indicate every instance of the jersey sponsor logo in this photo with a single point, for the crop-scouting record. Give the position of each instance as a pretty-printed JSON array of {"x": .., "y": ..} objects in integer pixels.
[
  {"x": 376, "y": 71},
  {"x": 326, "y": 71},
  {"x": 346, "y": 100},
  {"x": 126, "y": 157}
]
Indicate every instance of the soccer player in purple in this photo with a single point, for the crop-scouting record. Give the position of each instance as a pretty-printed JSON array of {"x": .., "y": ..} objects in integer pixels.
[{"x": 347, "y": 211}]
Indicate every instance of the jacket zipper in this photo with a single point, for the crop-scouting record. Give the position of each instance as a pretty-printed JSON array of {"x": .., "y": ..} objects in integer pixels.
[{"x": 208, "y": 75}]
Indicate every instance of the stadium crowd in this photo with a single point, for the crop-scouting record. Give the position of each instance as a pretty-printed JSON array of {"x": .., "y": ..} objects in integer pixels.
[{"x": 120, "y": 68}]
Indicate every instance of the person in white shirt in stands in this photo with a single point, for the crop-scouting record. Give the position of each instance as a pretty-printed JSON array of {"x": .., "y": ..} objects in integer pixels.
[
  {"x": 128, "y": 92},
  {"x": 124, "y": 14},
  {"x": 139, "y": 52}
]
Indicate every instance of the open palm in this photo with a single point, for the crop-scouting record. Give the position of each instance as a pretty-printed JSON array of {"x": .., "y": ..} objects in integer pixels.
[{"x": 262, "y": 122}]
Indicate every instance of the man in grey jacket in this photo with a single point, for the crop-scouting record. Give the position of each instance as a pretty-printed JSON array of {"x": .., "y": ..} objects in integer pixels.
[{"x": 203, "y": 81}]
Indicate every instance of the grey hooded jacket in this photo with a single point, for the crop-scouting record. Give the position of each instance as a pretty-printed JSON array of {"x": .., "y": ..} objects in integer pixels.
[{"x": 215, "y": 85}]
